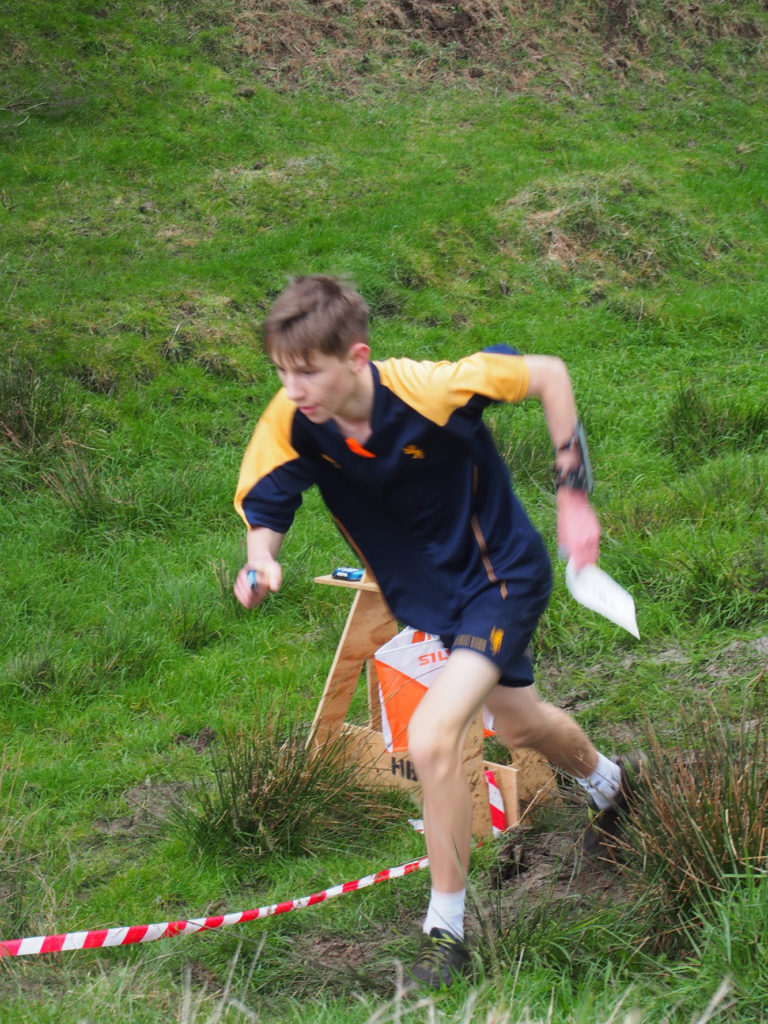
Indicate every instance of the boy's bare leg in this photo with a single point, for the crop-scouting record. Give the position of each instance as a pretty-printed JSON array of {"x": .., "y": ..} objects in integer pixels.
[
  {"x": 521, "y": 719},
  {"x": 436, "y": 737}
]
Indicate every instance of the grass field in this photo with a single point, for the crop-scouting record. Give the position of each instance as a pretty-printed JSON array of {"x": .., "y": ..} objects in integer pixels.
[{"x": 584, "y": 179}]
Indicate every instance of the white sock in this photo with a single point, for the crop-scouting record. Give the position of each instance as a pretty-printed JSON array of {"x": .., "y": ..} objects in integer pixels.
[
  {"x": 604, "y": 783},
  {"x": 446, "y": 911}
]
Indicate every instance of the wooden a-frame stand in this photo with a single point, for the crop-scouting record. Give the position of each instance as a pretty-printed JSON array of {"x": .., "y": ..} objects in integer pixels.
[{"x": 370, "y": 624}]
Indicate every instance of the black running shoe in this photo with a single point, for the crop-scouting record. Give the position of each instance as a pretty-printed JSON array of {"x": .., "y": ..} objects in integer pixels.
[
  {"x": 606, "y": 826},
  {"x": 442, "y": 958}
]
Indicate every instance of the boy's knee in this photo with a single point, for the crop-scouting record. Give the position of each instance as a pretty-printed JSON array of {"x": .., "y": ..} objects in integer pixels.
[
  {"x": 422, "y": 744},
  {"x": 430, "y": 748}
]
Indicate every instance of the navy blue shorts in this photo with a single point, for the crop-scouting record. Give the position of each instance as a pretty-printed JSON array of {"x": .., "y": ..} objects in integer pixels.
[{"x": 500, "y": 629}]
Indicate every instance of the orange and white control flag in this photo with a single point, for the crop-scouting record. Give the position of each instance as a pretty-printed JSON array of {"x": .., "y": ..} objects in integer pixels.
[{"x": 406, "y": 666}]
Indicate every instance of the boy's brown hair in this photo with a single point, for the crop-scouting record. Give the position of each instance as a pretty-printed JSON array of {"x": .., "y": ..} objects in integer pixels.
[{"x": 315, "y": 313}]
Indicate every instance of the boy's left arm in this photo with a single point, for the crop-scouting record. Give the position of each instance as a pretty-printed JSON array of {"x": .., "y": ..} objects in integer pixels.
[{"x": 578, "y": 530}]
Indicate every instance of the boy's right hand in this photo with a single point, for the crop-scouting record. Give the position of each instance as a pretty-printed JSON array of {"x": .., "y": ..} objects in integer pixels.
[
  {"x": 578, "y": 529},
  {"x": 254, "y": 581}
]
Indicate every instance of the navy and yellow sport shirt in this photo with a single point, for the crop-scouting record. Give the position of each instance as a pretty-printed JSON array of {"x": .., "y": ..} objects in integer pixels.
[{"x": 427, "y": 503}]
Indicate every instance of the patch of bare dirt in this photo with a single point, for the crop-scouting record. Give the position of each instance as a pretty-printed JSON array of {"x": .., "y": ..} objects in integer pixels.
[
  {"x": 339, "y": 955},
  {"x": 199, "y": 741},
  {"x": 551, "y": 866},
  {"x": 150, "y": 803},
  {"x": 740, "y": 657}
]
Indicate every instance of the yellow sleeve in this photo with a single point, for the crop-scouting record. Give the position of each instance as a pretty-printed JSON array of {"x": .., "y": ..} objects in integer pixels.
[
  {"x": 437, "y": 390},
  {"x": 269, "y": 447}
]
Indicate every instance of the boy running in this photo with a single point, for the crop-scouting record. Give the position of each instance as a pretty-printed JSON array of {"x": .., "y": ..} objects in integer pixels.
[{"x": 416, "y": 485}]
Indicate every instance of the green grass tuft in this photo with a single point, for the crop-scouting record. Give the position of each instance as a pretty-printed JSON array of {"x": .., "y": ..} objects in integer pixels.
[
  {"x": 14, "y": 867},
  {"x": 273, "y": 792},
  {"x": 700, "y": 427},
  {"x": 39, "y": 413}
]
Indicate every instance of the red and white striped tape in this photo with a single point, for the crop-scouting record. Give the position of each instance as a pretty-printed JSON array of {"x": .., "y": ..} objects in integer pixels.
[
  {"x": 126, "y": 936},
  {"x": 495, "y": 799}
]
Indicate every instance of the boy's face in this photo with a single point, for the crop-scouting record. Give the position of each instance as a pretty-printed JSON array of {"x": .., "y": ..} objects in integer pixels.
[{"x": 325, "y": 386}]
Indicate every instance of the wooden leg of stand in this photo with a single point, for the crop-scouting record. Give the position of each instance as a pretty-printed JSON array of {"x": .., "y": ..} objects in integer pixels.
[
  {"x": 474, "y": 766},
  {"x": 369, "y": 625},
  {"x": 374, "y": 704}
]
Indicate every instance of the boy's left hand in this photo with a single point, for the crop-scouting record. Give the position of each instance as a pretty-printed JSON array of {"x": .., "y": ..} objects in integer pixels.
[
  {"x": 578, "y": 529},
  {"x": 254, "y": 582}
]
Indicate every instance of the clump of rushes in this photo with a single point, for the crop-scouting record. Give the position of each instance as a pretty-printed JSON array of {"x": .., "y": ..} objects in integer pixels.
[
  {"x": 81, "y": 489},
  {"x": 37, "y": 412},
  {"x": 273, "y": 792},
  {"x": 700, "y": 828}
]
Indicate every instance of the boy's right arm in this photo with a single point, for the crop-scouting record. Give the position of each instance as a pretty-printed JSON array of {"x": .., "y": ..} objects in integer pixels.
[
  {"x": 263, "y": 546},
  {"x": 578, "y": 530}
]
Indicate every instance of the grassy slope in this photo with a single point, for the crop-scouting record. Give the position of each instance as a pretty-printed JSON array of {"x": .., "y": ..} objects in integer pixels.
[{"x": 156, "y": 193}]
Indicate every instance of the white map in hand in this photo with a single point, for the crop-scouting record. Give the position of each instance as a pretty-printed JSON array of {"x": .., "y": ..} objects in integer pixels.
[{"x": 600, "y": 593}]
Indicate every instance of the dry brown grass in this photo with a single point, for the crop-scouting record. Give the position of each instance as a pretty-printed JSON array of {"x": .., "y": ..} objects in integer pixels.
[
  {"x": 346, "y": 43},
  {"x": 699, "y": 829}
]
